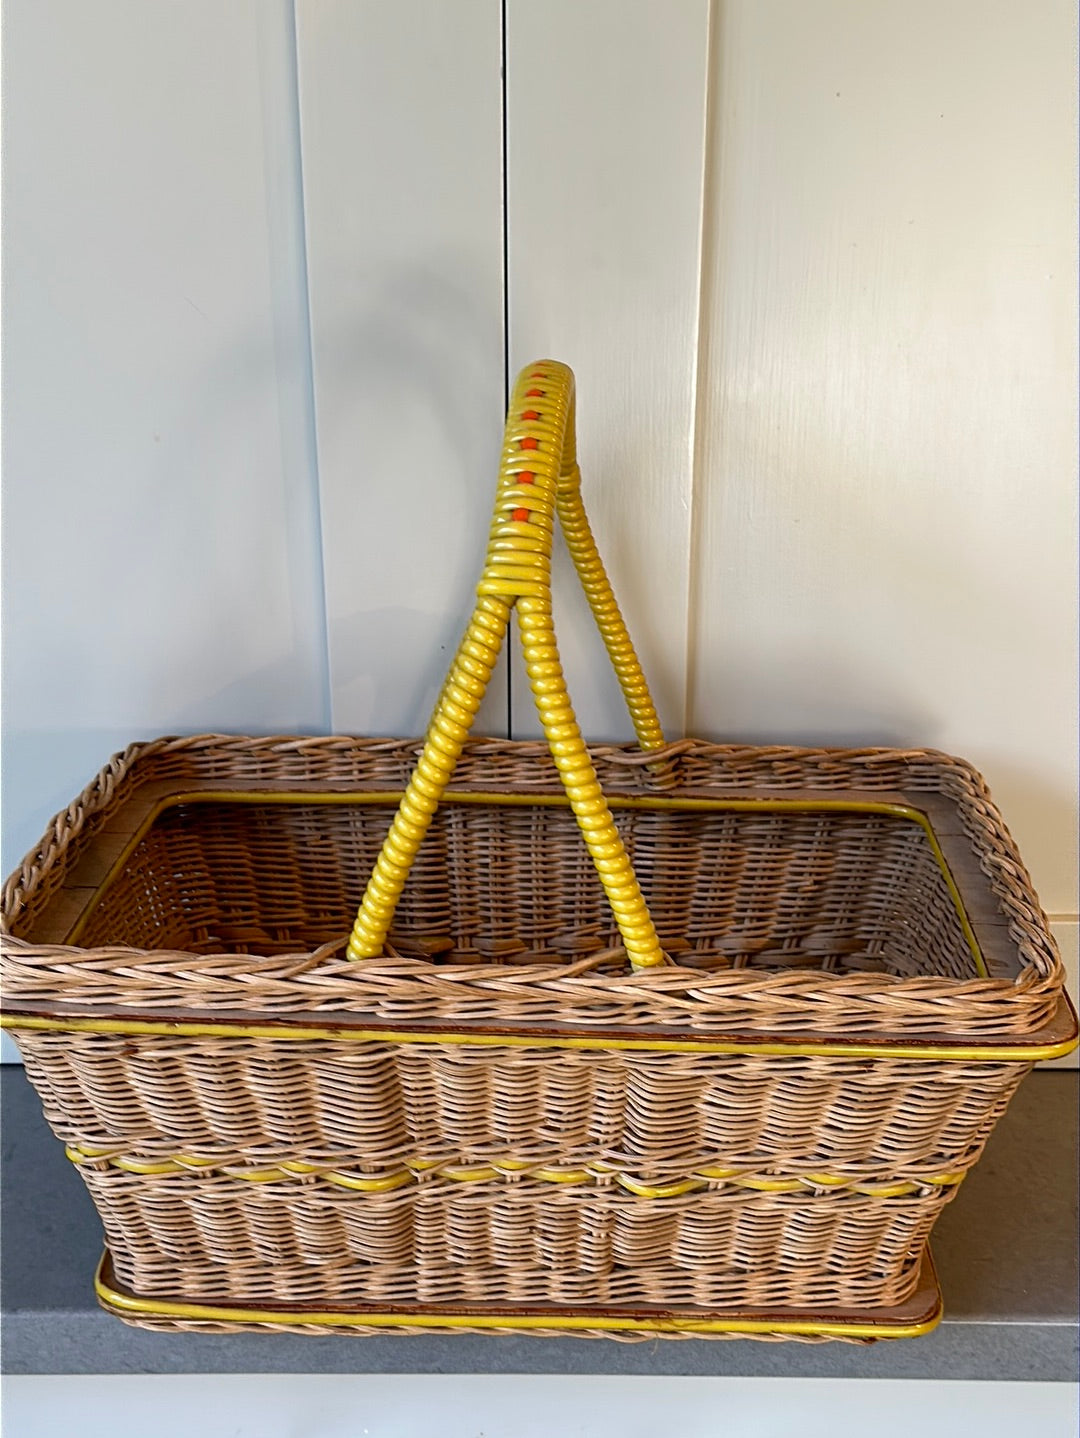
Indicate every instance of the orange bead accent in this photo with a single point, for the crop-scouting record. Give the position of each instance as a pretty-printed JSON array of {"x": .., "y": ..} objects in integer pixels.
[
  {"x": 529, "y": 443},
  {"x": 534, "y": 394},
  {"x": 525, "y": 477},
  {"x": 531, "y": 414}
]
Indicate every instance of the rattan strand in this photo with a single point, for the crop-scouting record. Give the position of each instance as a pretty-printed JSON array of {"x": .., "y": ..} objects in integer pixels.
[
  {"x": 515, "y": 1246},
  {"x": 659, "y": 1116}
]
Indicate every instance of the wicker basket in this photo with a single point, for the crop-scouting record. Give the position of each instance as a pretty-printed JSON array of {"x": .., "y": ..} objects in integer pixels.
[{"x": 482, "y": 1116}]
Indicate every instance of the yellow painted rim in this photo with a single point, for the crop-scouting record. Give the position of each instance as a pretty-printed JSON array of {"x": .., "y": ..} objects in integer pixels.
[
  {"x": 136, "y": 1307},
  {"x": 1004, "y": 1053}
]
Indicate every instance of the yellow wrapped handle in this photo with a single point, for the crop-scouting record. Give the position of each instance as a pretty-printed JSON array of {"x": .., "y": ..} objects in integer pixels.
[{"x": 538, "y": 479}]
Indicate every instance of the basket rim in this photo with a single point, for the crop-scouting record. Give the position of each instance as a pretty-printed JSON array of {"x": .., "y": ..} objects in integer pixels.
[
  {"x": 971, "y": 1011},
  {"x": 1055, "y": 1040}
]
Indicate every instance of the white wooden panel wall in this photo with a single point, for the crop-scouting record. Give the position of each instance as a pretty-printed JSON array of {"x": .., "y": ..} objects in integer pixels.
[
  {"x": 885, "y": 497},
  {"x": 605, "y": 147},
  {"x": 161, "y": 552},
  {"x": 161, "y": 568},
  {"x": 402, "y": 150},
  {"x": 818, "y": 289}
]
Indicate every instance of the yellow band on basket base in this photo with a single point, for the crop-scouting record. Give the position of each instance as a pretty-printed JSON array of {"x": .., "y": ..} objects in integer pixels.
[
  {"x": 133, "y": 1306},
  {"x": 539, "y": 481}
]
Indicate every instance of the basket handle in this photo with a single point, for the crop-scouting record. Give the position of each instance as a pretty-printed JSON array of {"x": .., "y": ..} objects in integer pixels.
[{"x": 538, "y": 479}]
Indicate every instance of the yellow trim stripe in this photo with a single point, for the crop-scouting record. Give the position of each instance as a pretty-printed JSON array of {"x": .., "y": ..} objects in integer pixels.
[
  {"x": 135, "y": 1307},
  {"x": 412, "y": 1169},
  {"x": 650, "y": 802},
  {"x": 988, "y": 1053}
]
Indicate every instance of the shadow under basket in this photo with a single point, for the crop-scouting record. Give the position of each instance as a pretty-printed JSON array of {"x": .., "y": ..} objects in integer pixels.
[{"x": 497, "y": 1125}]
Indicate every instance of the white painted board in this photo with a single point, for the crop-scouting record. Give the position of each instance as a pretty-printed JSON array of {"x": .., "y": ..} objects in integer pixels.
[
  {"x": 886, "y": 495},
  {"x": 402, "y": 151},
  {"x": 605, "y": 149},
  {"x": 161, "y": 569}
]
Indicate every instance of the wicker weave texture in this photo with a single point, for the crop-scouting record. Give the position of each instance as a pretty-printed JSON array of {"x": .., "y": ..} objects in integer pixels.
[
  {"x": 253, "y": 1170},
  {"x": 842, "y": 892},
  {"x": 220, "y": 1223},
  {"x": 830, "y": 891},
  {"x": 452, "y": 1244},
  {"x": 657, "y": 1116}
]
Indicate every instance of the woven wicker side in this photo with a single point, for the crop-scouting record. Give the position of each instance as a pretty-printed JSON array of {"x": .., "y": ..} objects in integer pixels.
[
  {"x": 225, "y": 1218},
  {"x": 218, "y": 1240},
  {"x": 830, "y": 891},
  {"x": 658, "y": 1116}
]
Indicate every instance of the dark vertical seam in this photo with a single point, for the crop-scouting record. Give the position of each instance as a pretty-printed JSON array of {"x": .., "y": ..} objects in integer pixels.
[
  {"x": 506, "y": 309},
  {"x": 309, "y": 368},
  {"x": 702, "y": 356}
]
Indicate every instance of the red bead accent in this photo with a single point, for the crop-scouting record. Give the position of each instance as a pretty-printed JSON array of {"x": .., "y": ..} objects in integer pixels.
[{"x": 527, "y": 476}]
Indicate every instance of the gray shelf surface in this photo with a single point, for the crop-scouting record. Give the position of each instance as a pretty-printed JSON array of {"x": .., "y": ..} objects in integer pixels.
[{"x": 1005, "y": 1249}]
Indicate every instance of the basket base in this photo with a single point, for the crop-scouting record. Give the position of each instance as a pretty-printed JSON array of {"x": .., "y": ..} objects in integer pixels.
[{"x": 921, "y": 1313}]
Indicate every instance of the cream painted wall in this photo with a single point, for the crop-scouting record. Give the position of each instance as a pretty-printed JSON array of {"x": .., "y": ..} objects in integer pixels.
[
  {"x": 606, "y": 108},
  {"x": 885, "y": 488},
  {"x": 401, "y": 127},
  {"x": 885, "y": 506},
  {"x": 161, "y": 566}
]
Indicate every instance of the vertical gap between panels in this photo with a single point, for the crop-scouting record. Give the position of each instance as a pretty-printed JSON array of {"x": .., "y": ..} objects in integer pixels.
[
  {"x": 304, "y": 339},
  {"x": 698, "y": 426},
  {"x": 503, "y": 80}
]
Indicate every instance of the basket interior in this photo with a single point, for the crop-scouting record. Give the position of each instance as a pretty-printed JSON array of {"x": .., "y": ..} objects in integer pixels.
[{"x": 833, "y": 890}]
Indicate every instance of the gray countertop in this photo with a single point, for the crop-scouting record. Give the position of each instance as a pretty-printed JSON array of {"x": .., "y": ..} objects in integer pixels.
[{"x": 1005, "y": 1249}]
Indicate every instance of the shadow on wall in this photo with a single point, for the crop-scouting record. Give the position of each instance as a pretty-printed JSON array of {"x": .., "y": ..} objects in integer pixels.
[{"x": 389, "y": 352}]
